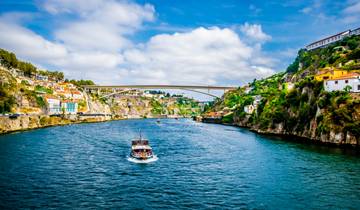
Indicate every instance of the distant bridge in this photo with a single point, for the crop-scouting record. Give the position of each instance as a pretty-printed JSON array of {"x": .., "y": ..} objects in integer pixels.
[{"x": 123, "y": 88}]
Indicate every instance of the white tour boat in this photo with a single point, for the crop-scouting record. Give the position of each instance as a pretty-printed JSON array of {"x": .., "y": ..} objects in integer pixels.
[{"x": 141, "y": 151}]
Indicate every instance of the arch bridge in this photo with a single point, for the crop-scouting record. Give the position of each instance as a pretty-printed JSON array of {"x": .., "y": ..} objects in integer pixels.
[{"x": 110, "y": 90}]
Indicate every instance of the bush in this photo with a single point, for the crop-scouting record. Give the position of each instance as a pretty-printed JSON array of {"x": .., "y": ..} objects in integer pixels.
[
  {"x": 355, "y": 54},
  {"x": 40, "y": 88},
  {"x": 40, "y": 101},
  {"x": 294, "y": 66},
  {"x": 228, "y": 118},
  {"x": 353, "y": 128},
  {"x": 7, "y": 101}
]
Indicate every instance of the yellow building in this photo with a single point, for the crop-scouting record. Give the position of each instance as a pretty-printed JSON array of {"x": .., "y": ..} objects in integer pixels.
[{"x": 331, "y": 73}]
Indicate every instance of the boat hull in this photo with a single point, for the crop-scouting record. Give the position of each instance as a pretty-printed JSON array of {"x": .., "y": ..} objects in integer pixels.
[{"x": 149, "y": 160}]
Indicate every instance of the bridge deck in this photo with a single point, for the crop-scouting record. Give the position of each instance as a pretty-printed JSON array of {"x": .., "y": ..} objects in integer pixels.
[{"x": 160, "y": 87}]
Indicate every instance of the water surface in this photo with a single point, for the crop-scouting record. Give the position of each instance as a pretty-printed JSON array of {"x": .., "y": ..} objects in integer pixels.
[{"x": 200, "y": 166}]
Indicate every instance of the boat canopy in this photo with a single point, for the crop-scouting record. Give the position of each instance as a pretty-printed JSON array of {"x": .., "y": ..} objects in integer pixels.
[
  {"x": 141, "y": 147},
  {"x": 140, "y": 142}
]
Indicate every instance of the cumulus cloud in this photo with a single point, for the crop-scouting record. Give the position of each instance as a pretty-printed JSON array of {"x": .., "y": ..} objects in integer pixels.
[
  {"x": 101, "y": 25},
  {"x": 351, "y": 13},
  {"x": 254, "y": 32},
  {"x": 27, "y": 43},
  {"x": 93, "y": 43},
  {"x": 202, "y": 56}
]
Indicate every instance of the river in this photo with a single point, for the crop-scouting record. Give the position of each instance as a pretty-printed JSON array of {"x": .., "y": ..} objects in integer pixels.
[{"x": 200, "y": 166}]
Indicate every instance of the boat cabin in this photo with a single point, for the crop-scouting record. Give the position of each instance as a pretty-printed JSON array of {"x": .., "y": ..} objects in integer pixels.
[{"x": 140, "y": 142}]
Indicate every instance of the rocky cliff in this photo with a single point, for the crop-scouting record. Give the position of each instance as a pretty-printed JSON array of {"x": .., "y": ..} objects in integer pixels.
[{"x": 295, "y": 103}]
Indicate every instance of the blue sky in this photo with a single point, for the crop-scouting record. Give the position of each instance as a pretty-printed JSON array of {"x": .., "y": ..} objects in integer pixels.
[{"x": 208, "y": 42}]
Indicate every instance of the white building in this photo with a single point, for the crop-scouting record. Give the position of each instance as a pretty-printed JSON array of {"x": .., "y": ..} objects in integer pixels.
[
  {"x": 53, "y": 105},
  {"x": 352, "y": 80},
  {"x": 331, "y": 39},
  {"x": 355, "y": 32},
  {"x": 247, "y": 89},
  {"x": 249, "y": 109},
  {"x": 41, "y": 77},
  {"x": 77, "y": 95},
  {"x": 69, "y": 107},
  {"x": 257, "y": 100}
]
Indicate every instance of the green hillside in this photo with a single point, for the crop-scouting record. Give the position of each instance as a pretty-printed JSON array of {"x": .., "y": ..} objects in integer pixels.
[{"x": 294, "y": 103}]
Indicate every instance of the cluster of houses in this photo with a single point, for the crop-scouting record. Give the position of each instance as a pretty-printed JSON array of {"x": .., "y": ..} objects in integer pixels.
[
  {"x": 331, "y": 39},
  {"x": 64, "y": 98},
  {"x": 338, "y": 79}
]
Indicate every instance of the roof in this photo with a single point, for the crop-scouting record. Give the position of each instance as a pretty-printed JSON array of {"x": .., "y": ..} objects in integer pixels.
[
  {"x": 327, "y": 70},
  {"x": 140, "y": 147},
  {"x": 76, "y": 92},
  {"x": 352, "y": 75},
  {"x": 328, "y": 37},
  {"x": 69, "y": 101},
  {"x": 140, "y": 142},
  {"x": 51, "y": 97}
]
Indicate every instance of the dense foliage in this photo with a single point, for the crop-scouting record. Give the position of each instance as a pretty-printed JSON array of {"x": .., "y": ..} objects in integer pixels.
[
  {"x": 343, "y": 54},
  {"x": 297, "y": 102},
  {"x": 41, "y": 89},
  {"x": 9, "y": 60},
  {"x": 81, "y": 82},
  {"x": 6, "y": 100}
]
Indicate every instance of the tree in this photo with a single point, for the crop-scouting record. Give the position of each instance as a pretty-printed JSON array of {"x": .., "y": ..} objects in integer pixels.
[
  {"x": 294, "y": 66},
  {"x": 347, "y": 88},
  {"x": 6, "y": 100}
]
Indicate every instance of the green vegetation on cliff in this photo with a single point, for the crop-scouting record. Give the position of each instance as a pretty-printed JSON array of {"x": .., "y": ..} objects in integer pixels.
[
  {"x": 6, "y": 101},
  {"x": 344, "y": 54},
  {"x": 9, "y": 60},
  {"x": 293, "y": 102}
]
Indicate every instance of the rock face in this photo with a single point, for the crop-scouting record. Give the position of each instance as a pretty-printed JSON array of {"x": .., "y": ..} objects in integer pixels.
[
  {"x": 32, "y": 106},
  {"x": 333, "y": 137},
  {"x": 39, "y": 121},
  {"x": 306, "y": 111}
]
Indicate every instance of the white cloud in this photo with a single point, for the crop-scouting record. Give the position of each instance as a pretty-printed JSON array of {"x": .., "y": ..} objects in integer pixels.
[
  {"x": 351, "y": 13},
  {"x": 90, "y": 40},
  {"x": 202, "y": 56},
  {"x": 353, "y": 8},
  {"x": 254, "y": 32},
  {"x": 306, "y": 10},
  {"x": 28, "y": 44},
  {"x": 69, "y": 6},
  {"x": 91, "y": 36},
  {"x": 96, "y": 45},
  {"x": 102, "y": 25}
]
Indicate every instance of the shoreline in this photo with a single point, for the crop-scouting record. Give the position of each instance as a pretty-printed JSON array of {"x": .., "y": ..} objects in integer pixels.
[
  {"x": 8, "y": 125},
  {"x": 293, "y": 137},
  {"x": 100, "y": 119}
]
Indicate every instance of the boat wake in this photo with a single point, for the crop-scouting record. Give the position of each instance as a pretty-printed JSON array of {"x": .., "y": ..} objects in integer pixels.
[{"x": 134, "y": 160}]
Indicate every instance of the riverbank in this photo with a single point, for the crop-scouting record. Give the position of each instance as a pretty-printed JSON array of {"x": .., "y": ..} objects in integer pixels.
[
  {"x": 333, "y": 139},
  {"x": 30, "y": 122}
]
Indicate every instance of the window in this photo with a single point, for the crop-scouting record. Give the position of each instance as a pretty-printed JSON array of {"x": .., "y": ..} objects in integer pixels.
[
  {"x": 358, "y": 87},
  {"x": 336, "y": 82},
  {"x": 346, "y": 81}
]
